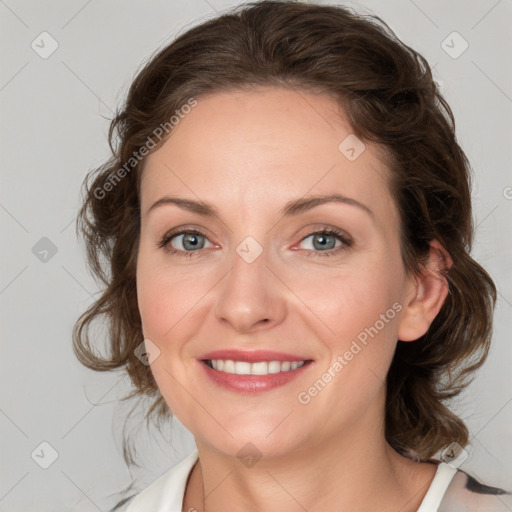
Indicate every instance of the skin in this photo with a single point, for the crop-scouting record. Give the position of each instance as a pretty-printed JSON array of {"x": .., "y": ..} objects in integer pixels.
[{"x": 248, "y": 153}]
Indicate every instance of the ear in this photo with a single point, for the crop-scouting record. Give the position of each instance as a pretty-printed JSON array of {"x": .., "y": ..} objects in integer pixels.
[{"x": 425, "y": 294}]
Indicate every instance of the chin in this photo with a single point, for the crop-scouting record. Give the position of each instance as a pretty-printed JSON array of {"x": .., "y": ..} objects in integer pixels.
[
  {"x": 249, "y": 443},
  {"x": 251, "y": 451}
]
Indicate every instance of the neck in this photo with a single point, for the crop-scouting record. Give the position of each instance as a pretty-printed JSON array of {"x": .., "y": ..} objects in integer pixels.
[{"x": 355, "y": 470}]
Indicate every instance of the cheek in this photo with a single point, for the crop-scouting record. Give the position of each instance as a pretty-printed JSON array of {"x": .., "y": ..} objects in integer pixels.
[
  {"x": 356, "y": 313},
  {"x": 153, "y": 303},
  {"x": 360, "y": 314},
  {"x": 353, "y": 298},
  {"x": 165, "y": 296},
  {"x": 166, "y": 304}
]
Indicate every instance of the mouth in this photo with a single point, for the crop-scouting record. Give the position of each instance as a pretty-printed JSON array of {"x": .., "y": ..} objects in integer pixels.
[
  {"x": 252, "y": 372},
  {"x": 254, "y": 368}
]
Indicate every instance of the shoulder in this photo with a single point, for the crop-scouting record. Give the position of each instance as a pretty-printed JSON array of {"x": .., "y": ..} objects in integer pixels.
[
  {"x": 169, "y": 487},
  {"x": 148, "y": 498},
  {"x": 467, "y": 494}
]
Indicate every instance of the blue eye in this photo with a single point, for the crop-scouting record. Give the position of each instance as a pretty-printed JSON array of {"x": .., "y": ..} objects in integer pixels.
[
  {"x": 191, "y": 241},
  {"x": 324, "y": 242}
]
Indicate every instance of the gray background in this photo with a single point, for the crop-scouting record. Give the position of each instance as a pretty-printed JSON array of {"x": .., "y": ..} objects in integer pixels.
[{"x": 54, "y": 121}]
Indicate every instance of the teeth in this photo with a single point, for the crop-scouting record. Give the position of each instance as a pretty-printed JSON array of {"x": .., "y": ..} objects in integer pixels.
[
  {"x": 229, "y": 366},
  {"x": 259, "y": 368},
  {"x": 242, "y": 368},
  {"x": 274, "y": 367}
]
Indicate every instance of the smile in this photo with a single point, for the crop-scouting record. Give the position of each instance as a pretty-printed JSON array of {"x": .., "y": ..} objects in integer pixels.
[
  {"x": 252, "y": 371},
  {"x": 256, "y": 368}
]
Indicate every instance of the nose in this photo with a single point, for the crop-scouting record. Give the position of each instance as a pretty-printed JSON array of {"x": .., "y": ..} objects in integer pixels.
[{"x": 251, "y": 297}]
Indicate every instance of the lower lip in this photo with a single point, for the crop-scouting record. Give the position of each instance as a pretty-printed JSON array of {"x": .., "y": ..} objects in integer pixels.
[{"x": 252, "y": 383}]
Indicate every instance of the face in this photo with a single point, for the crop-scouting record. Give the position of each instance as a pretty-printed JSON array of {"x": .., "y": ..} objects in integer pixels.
[{"x": 265, "y": 274}]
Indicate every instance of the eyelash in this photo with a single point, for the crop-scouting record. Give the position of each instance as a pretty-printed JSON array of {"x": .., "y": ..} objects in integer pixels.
[
  {"x": 339, "y": 235},
  {"x": 347, "y": 242}
]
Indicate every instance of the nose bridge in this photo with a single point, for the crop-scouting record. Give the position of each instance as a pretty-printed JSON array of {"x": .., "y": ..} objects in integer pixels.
[{"x": 250, "y": 295}]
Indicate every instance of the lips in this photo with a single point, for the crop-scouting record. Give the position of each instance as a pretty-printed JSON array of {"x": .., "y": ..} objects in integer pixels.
[
  {"x": 252, "y": 356},
  {"x": 228, "y": 369}
]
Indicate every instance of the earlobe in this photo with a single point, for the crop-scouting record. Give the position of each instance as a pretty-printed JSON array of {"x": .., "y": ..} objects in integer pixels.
[{"x": 426, "y": 294}]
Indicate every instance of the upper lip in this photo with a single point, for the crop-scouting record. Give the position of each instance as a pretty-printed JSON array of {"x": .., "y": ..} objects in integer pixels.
[{"x": 251, "y": 356}]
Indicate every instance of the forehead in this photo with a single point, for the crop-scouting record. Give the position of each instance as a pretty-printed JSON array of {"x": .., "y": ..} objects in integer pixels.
[{"x": 265, "y": 147}]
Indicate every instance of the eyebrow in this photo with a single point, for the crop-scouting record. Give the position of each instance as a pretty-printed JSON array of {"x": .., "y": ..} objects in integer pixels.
[{"x": 295, "y": 207}]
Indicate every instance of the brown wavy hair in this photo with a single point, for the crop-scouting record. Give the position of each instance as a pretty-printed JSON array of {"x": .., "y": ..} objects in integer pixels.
[{"x": 387, "y": 91}]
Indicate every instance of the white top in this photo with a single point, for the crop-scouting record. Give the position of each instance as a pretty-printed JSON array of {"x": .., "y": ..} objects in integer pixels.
[{"x": 166, "y": 493}]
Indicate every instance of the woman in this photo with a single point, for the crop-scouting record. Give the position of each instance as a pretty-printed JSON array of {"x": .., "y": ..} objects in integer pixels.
[{"x": 284, "y": 232}]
